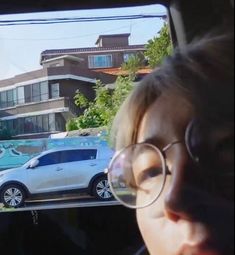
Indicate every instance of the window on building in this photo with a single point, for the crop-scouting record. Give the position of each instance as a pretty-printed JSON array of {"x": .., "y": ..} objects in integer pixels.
[
  {"x": 100, "y": 61},
  {"x": 39, "y": 121},
  {"x": 35, "y": 124},
  {"x": 3, "y": 99},
  {"x": 28, "y": 93},
  {"x": 33, "y": 93},
  {"x": 9, "y": 126},
  {"x": 7, "y": 99},
  {"x": 36, "y": 93},
  {"x": 10, "y": 98},
  {"x": 44, "y": 91},
  {"x": 20, "y": 95},
  {"x": 45, "y": 123},
  {"x": 55, "y": 90},
  {"x": 60, "y": 122},
  {"x": 51, "y": 121}
]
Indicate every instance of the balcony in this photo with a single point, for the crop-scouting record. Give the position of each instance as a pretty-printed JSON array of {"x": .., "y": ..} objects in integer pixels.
[{"x": 62, "y": 104}]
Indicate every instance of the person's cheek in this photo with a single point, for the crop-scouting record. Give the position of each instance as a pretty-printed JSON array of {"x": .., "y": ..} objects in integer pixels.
[
  {"x": 149, "y": 228},
  {"x": 151, "y": 221}
]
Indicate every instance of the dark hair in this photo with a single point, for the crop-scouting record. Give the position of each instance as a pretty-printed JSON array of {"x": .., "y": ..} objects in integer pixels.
[{"x": 202, "y": 71}]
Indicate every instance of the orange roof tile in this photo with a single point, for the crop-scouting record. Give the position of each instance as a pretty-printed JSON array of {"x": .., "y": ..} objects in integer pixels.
[{"x": 119, "y": 71}]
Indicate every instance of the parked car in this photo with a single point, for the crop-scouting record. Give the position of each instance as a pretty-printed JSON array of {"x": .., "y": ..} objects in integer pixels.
[{"x": 57, "y": 171}]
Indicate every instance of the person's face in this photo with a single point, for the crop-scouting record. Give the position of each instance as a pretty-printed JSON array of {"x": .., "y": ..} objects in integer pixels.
[{"x": 191, "y": 217}]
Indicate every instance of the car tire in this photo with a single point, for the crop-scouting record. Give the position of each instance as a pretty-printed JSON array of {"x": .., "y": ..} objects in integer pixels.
[
  {"x": 13, "y": 196},
  {"x": 101, "y": 189}
]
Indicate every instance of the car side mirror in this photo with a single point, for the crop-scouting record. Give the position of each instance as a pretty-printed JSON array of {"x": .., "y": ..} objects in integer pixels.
[{"x": 34, "y": 164}]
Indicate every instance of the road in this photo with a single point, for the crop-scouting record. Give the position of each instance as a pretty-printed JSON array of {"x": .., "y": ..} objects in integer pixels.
[{"x": 60, "y": 203}]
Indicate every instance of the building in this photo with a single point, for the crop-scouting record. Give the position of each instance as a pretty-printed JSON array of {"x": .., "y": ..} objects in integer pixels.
[
  {"x": 111, "y": 52},
  {"x": 39, "y": 103}
]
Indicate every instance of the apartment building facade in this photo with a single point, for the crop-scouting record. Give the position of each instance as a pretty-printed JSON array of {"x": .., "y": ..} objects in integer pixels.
[{"x": 39, "y": 103}]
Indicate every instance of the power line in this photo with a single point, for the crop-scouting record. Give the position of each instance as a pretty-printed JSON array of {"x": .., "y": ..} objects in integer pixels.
[
  {"x": 78, "y": 20},
  {"x": 70, "y": 37}
]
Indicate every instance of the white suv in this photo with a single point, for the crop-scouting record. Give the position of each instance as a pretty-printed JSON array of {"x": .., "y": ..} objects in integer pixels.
[{"x": 59, "y": 171}]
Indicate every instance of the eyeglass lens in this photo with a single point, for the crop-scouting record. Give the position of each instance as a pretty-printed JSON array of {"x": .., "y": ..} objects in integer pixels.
[
  {"x": 211, "y": 145},
  {"x": 138, "y": 175}
]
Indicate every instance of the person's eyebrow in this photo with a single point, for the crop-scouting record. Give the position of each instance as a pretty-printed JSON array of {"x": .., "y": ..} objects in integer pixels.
[{"x": 156, "y": 141}]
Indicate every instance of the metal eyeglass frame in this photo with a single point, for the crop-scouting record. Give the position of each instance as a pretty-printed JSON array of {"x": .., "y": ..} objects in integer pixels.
[{"x": 161, "y": 152}]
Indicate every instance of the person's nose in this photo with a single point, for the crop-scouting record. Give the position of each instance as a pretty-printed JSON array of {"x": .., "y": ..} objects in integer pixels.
[{"x": 184, "y": 195}]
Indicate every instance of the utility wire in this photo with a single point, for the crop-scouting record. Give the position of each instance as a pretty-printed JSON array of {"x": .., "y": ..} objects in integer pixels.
[
  {"x": 77, "y": 20},
  {"x": 71, "y": 37}
]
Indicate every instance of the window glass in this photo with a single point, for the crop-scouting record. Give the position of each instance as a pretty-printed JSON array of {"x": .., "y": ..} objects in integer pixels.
[
  {"x": 50, "y": 159},
  {"x": 36, "y": 92},
  {"x": 45, "y": 123},
  {"x": 7, "y": 98},
  {"x": 3, "y": 100},
  {"x": 44, "y": 91},
  {"x": 60, "y": 122},
  {"x": 28, "y": 93},
  {"x": 55, "y": 90},
  {"x": 20, "y": 95},
  {"x": 28, "y": 125},
  {"x": 39, "y": 124},
  {"x": 33, "y": 124},
  {"x": 10, "y": 98},
  {"x": 100, "y": 61},
  {"x": 88, "y": 154},
  {"x": 78, "y": 155},
  {"x": 15, "y": 96},
  {"x": 45, "y": 59},
  {"x": 52, "y": 122}
]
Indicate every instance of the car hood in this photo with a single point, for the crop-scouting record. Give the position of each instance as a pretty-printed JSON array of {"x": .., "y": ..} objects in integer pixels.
[{"x": 8, "y": 171}]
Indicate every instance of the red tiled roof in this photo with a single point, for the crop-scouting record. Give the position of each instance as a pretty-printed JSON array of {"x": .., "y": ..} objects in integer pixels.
[{"x": 119, "y": 71}]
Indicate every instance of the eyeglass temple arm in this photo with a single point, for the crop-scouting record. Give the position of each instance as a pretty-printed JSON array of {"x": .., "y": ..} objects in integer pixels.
[{"x": 170, "y": 145}]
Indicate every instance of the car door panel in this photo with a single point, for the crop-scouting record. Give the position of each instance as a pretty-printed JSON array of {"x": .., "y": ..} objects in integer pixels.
[
  {"x": 48, "y": 176},
  {"x": 81, "y": 173}
]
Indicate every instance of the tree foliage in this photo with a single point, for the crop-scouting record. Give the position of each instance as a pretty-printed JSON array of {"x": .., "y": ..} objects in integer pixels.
[
  {"x": 159, "y": 47},
  {"x": 133, "y": 64},
  {"x": 101, "y": 111}
]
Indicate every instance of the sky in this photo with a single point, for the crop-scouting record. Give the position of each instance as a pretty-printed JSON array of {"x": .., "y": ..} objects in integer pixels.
[{"x": 20, "y": 46}]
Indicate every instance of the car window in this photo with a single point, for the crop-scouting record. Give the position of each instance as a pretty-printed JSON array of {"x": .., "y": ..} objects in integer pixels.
[
  {"x": 88, "y": 154},
  {"x": 50, "y": 159},
  {"x": 78, "y": 155}
]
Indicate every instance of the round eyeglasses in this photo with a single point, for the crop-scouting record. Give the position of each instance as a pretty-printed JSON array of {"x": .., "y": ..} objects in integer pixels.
[{"x": 137, "y": 174}]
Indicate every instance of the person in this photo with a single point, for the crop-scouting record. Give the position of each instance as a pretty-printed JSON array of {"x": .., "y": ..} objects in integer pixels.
[{"x": 174, "y": 137}]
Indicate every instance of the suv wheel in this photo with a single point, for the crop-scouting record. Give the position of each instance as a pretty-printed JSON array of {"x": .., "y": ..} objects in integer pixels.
[
  {"x": 13, "y": 196},
  {"x": 101, "y": 189}
]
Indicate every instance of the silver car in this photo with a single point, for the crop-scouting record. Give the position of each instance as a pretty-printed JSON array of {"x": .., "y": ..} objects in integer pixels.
[{"x": 59, "y": 171}]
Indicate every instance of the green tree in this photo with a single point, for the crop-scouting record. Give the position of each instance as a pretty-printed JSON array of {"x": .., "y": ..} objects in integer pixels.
[
  {"x": 101, "y": 111},
  {"x": 133, "y": 64},
  {"x": 159, "y": 47},
  {"x": 72, "y": 125}
]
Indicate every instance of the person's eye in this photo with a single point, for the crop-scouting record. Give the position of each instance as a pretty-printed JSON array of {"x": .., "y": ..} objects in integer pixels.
[{"x": 149, "y": 174}]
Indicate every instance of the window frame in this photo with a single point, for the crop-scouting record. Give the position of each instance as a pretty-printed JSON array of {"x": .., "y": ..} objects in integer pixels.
[{"x": 90, "y": 62}]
